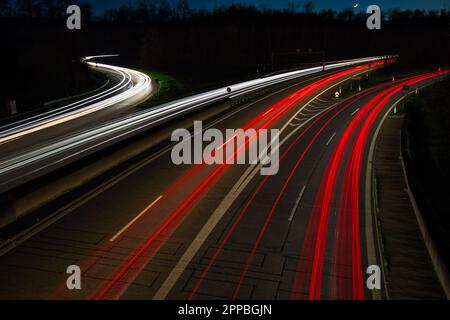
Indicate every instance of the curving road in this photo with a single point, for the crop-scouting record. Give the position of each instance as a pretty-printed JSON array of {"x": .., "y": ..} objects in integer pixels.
[
  {"x": 129, "y": 84},
  {"x": 162, "y": 231},
  {"x": 32, "y": 149}
]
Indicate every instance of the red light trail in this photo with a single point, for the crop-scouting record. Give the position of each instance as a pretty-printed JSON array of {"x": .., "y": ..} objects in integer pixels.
[
  {"x": 347, "y": 250},
  {"x": 244, "y": 210},
  {"x": 131, "y": 266}
]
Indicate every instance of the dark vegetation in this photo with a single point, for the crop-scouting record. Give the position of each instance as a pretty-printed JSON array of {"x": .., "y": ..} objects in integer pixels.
[
  {"x": 206, "y": 48},
  {"x": 169, "y": 87},
  {"x": 427, "y": 150}
]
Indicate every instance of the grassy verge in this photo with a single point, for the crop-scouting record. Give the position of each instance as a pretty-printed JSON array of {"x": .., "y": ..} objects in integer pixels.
[{"x": 169, "y": 87}]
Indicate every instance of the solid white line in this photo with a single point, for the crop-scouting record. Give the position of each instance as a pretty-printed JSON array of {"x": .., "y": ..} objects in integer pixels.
[
  {"x": 316, "y": 105},
  {"x": 371, "y": 229},
  {"x": 223, "y": 207},
  {"x": 46, "y": 222},
  {"x": 331, "y": 138},
  {"x": 135, "y": 218},
  {"x": 353, "y": 113},
  {"x": 204, "y": 233},
  {"x": 297, "y": 202}
]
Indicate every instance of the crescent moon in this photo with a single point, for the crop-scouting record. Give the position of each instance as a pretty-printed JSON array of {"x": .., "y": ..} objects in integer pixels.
[{"x": 355, "y": 5}]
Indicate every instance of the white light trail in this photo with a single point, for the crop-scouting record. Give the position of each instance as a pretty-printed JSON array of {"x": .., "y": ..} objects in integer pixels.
[
  {"x": 22, "y": 167},
  {"x": 141, "y": 87}
]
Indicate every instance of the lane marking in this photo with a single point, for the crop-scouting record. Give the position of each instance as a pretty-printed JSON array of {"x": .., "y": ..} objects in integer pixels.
[
  {"x": 297, "y": 203},
  {"x": 204, "y": 233},
  {"x": 18, "y": 239},
  {"x": 354, "y": 112},
  {"x": 371, "y": 227},
  {"x": 135, "y": 219},
  {"x": 223, "y": 207},
  {"x": 316, "y": 105},
  {"x": 331, "y": 138}
]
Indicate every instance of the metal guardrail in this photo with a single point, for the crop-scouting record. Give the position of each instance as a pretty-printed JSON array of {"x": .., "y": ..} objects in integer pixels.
[{"x": 24, "y": 167}]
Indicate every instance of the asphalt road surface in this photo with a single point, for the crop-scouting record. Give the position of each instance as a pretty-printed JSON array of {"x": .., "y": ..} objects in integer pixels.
[
  {"x": 74, "y": 116},
  {"x": 39, "y": 146},
  {"x": 163, "y": 231}
]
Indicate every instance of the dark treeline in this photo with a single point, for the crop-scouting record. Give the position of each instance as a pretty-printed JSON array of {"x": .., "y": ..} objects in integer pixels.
[
  {"x": 40, "y": 8},
  {"x": 226, "y": 43}
]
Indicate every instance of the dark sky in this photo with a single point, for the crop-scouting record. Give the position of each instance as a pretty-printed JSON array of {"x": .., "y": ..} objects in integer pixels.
[{"x": 100, "y": 5}]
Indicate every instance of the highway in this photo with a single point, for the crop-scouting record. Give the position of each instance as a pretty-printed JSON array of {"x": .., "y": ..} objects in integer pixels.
[
  {"x": 34, "y": 135},
  {"x": 161, "y": 231},
  {"x": 44, "y": 151},
  {"x": 126, "y": 87}
]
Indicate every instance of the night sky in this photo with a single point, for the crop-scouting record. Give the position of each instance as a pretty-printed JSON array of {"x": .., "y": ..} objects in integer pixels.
[{"x": 100, "y": 5}]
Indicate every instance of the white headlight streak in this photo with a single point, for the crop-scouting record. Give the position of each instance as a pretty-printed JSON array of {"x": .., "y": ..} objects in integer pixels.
[{"x": 26, "y": 165}]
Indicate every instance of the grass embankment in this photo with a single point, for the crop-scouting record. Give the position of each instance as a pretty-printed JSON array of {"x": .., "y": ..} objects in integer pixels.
[
  {"x": 172, "y": 86},
  {"x": 169, "y": 88},
  {"x": 427, "y": 154},
  {"x": 367, "y": 80}
]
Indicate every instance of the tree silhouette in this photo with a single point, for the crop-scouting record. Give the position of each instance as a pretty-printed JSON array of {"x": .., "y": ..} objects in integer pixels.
[{"x": 5, "y": 8}]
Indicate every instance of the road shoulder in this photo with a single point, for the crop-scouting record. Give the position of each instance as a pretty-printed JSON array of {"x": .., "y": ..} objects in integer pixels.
[{"x": 410, "y": 273}]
